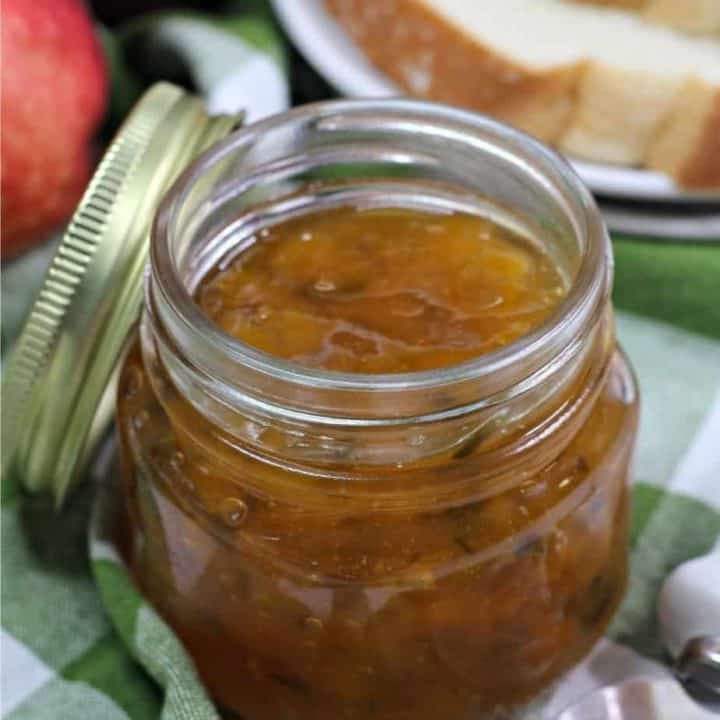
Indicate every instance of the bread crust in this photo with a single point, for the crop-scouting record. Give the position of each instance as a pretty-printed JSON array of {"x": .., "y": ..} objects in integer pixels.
[
  {"x": 431, "y": 58},
  {"x": 584, "y": 108},
  {"x": 694, "y": 16},
  {"x": 623, "y": 4}
]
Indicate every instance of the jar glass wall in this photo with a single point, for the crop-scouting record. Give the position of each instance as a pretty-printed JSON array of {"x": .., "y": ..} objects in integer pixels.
[{"x": 389, "y": 546}]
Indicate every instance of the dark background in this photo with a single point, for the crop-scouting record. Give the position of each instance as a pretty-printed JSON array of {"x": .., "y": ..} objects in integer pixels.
[{"x": 121, "y": 16}]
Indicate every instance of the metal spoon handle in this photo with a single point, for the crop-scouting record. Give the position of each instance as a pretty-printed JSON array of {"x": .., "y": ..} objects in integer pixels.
[{"x": 699, "y": 661}]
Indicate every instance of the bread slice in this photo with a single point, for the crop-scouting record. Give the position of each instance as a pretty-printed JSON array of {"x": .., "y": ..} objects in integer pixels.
[
  {"x": 693, "y": 16},
  {"x": 687, "y": 146},
  {"x": 598, "y": 131},
  {"x": 598, "y": 83}
]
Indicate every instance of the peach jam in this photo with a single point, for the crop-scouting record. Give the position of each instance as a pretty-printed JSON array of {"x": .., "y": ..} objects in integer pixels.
[
  {"x": 375, "y": 428},
  {"x": 383, "y": 291}
]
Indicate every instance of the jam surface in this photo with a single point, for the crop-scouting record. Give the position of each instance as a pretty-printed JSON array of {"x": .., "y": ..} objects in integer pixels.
[{"x": 383, "y": 291}]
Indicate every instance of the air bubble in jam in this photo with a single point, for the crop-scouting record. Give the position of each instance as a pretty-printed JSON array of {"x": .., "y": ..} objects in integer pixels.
[
  {"x": 187, "y": 482},
  {"x": 132, "y": 381},
  {"x": 140, "y": 419},
  {"x": 313, "y": 623},
  {"x": 324, "y": 286},
  {"x": 177, "y": 459},
  {"x": 233, "y": 511}
]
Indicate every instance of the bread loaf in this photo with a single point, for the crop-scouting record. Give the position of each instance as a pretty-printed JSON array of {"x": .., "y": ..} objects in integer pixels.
[{"x": 598, "y": 83}]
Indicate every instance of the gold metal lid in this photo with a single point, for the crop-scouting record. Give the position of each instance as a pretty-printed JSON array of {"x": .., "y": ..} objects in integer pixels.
[{"x": 55, "y": 402}]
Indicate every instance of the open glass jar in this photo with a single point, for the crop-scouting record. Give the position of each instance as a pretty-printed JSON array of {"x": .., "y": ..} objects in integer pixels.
[{"x": 439, "y": 543}]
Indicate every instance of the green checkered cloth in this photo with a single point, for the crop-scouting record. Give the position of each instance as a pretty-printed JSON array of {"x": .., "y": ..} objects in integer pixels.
[{"x": 80, "y": 643}]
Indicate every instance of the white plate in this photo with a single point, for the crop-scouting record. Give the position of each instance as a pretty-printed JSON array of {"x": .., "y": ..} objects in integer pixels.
[{"x": 332, "y": 53}]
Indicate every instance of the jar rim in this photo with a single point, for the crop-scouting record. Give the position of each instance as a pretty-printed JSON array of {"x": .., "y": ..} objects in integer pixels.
[{"x": 586, "y": 294}]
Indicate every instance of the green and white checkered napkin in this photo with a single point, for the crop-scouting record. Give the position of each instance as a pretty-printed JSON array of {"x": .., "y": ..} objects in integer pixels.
[{"x": 79, "y": 642}]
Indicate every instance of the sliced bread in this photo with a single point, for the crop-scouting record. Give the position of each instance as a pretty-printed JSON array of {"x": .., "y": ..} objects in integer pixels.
[
  {"x": 598, "y": 83},
  {"x": 687, "y": 146}
]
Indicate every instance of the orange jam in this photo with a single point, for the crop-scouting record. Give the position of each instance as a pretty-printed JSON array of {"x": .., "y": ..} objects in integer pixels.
[
  {"x": 450, "y": 568},
  {"x": 383, "y": 291}
]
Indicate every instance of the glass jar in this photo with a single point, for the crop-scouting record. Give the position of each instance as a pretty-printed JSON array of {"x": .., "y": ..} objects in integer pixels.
[{"x": 390, "y": 546}]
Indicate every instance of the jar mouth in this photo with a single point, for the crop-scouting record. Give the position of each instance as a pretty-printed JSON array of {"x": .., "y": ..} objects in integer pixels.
[{"x": 536, "y": 165}]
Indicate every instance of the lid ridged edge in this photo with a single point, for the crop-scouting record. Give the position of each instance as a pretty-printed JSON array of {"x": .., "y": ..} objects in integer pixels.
[{"x": 32, "y": 381}]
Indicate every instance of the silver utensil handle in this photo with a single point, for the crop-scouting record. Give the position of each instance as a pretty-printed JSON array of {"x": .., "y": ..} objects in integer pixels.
[{"x": 700, "y": 662}]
